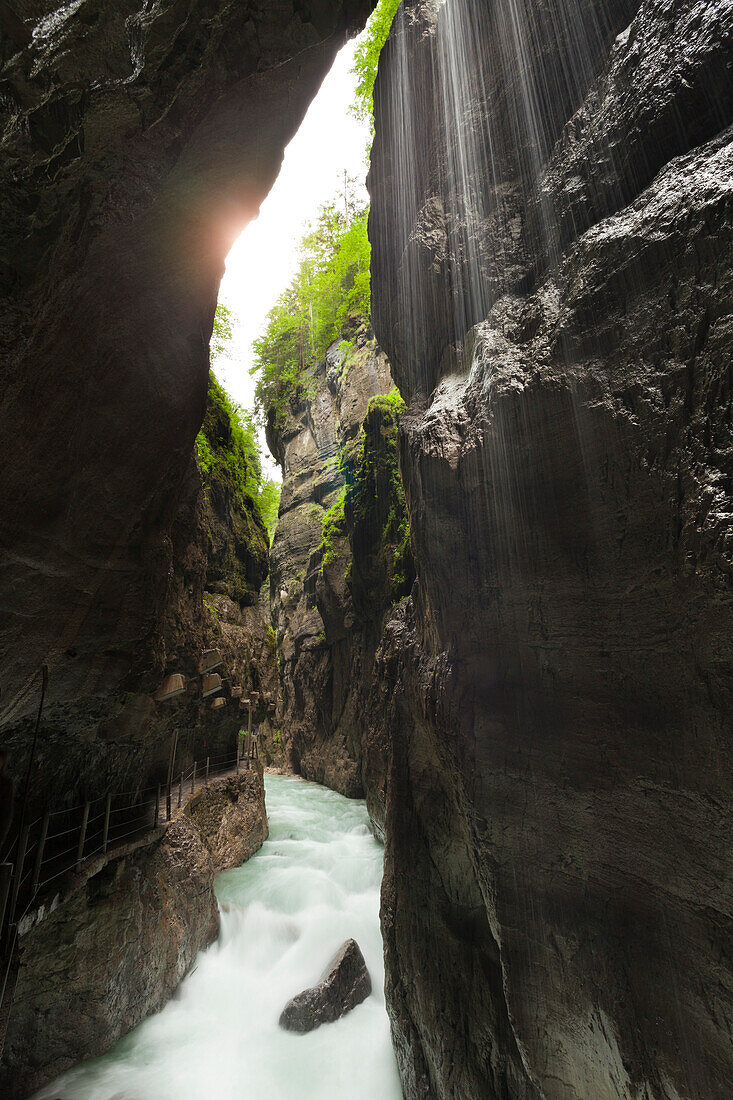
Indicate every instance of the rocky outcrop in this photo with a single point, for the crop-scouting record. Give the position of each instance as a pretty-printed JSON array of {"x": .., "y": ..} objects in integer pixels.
[
  {"x": 345, "y": 984},
  {"x": 217, "y": 561},
  {"x": 552, "y": 229},
  {"x": 136, "y": 143},
  {"x": 340, "y": 558},
  {"x": 237, "y": 544},
  {"x": 97, "y": 961}
]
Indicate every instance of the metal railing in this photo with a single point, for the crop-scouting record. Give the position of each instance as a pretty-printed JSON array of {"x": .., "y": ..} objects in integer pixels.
[{"x": 61, "y": 841}]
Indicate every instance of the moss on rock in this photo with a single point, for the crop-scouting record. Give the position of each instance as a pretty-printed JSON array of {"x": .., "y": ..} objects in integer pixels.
[
  {"x": 238, "y": 544},
  {"x": 371, "y": 510}
]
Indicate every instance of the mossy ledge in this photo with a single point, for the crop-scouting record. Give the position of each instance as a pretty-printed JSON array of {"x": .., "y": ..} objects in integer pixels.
[{"x": 238, "y": 544}]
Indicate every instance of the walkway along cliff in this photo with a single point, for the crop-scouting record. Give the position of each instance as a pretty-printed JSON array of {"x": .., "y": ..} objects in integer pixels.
[
  {"x": 106, "y": 945},
  {"x": 502, "y": 592}
]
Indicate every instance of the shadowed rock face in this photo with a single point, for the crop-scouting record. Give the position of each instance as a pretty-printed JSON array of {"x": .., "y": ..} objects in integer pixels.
[
  {"x": 557, "y": 894},
  {"x": 99, "y": 960},
  {"x": 345, "y": 985},
  {"x": 137, "y": 140},
  {"x": 329, "y": 607}
]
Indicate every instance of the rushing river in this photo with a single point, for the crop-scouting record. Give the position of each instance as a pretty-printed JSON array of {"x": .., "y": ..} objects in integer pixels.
[{"x": 313, "y": 884}]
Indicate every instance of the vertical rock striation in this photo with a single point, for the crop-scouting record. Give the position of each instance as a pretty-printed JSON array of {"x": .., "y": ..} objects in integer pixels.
[
  {"x": 340, "y": 559},
  {"x": 552, "y": 230},
  {"x": 137, "y": 140}
]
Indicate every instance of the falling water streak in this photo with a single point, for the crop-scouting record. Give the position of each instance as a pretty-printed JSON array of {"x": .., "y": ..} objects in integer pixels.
[
  {"x": 314, "y": 884},
  {"x": 489, "y": 55}
]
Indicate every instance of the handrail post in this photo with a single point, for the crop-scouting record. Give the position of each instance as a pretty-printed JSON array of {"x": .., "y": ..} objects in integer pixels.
[
  {"x": 193, "y": 778},
  {"x": 19, "y": 861},
  {"x": 171, "y": 762},
  {"x": 237, "y": 763},
  {"x": 39, "y": 853},
  {"x": 6, "y": 875},
  {"x": 107, "y": 812},
  {"x": 157, "y": 806},
  {"x": 82, "y": 835},
  {"x": 180, "y": 791},
  {"x": 207, "y": 771}
]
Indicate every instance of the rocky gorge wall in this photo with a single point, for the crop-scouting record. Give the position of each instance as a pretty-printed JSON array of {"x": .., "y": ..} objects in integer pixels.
[
  {"x": 340, "y": 559},
  {"x": 216, "y": 562},
  {"x": 98, "y": 959},
  {"x": 137, "y": 141},
  {"x": 552, "y": 232}
]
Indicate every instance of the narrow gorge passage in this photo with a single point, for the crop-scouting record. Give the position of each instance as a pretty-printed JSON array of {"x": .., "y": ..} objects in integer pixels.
[
  {"x": 420, "y": 490},
  {"x": 313, "y": 884}
]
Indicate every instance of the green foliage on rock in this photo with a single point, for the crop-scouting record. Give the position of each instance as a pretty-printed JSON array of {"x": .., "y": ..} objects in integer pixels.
[
  {"x": 378, "y": 497},
  {"x": 334, "y": 527},
  {"x": 222, "y": 331},
  {"x": 268, "y": 498},
  {"x": 366, "y": 58},
  {"x": 229, "y": 451},
  {"x": 371, "y": 508},
  {"x": 227, "y": 444},
  {"x": 236, "y": 504},
  {"x": 329, "y": 291}
]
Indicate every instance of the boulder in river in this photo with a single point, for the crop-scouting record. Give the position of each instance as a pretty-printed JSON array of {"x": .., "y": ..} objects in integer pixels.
[{"x": 344, "y": 985}]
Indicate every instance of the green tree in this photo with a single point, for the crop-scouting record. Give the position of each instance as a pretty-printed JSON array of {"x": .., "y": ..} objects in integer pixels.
[
  {"x": 222, "y": 332},
  {"x": 330, "y": 290},
  {"x": 227, "y": 444},
  {"x": 366, "y": 59}
]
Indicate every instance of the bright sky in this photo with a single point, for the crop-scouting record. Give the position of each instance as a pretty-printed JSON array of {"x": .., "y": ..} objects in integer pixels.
[{"x": 264, "y": 259}]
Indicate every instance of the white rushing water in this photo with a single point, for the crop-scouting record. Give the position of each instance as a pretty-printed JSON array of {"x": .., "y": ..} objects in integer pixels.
[{"x": 286, "y": 912}]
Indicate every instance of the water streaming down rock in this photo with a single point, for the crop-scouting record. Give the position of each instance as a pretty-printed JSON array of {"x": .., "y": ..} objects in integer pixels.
[
  {"x": 314, "y": 884},
  {"x": 551, "y": 229}
]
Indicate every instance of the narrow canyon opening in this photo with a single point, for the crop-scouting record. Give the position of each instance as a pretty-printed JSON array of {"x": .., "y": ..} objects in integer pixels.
[{"x": 365, "y": 605}]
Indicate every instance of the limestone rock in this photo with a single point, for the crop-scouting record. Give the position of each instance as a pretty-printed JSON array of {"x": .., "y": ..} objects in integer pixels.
[
  {"x": 329, "y": 613},
  {"x": 136, "y": 142},
  {"x": 557, "y": 691},
  {"x": 345, "y": 984},
  {"x": 96, "y": 962}
]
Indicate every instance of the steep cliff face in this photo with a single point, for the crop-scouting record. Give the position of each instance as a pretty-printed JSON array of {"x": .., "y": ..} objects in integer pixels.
[
  {"x": 216, "y": 561},
  {"x": 339, "y": 560},
  {"x": 237, "y": 545},
  {"x": 137, "y": 140},
  {"x": 552, "y": 229},
  {"x": 111, "y": 952}
]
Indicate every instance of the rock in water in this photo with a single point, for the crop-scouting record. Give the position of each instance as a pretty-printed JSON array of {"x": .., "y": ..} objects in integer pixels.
[{"x": 345, "y": 984}]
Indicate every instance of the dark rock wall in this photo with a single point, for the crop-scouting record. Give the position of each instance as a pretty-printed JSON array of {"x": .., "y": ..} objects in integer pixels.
[
  {"x": 552, "y": 232},
  {"x": 213, "y": 563},
  {"x": 95, "y": 964},
  {"x": 137, "y": 140},
  {"x": 328, "y": 624}
]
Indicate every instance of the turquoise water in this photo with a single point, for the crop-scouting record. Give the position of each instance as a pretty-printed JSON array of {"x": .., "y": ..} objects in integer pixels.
[{"x": 285, "y": 913}]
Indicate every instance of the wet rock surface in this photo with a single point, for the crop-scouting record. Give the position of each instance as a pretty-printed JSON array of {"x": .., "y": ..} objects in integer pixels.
[
  {"x": 329, "y": 603},
  {"x": 345, "y": 985},
  {"x": 99, "y": 961},
  {"x": 137, "y": 141},
  {"x": 557, "y": 907}
]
